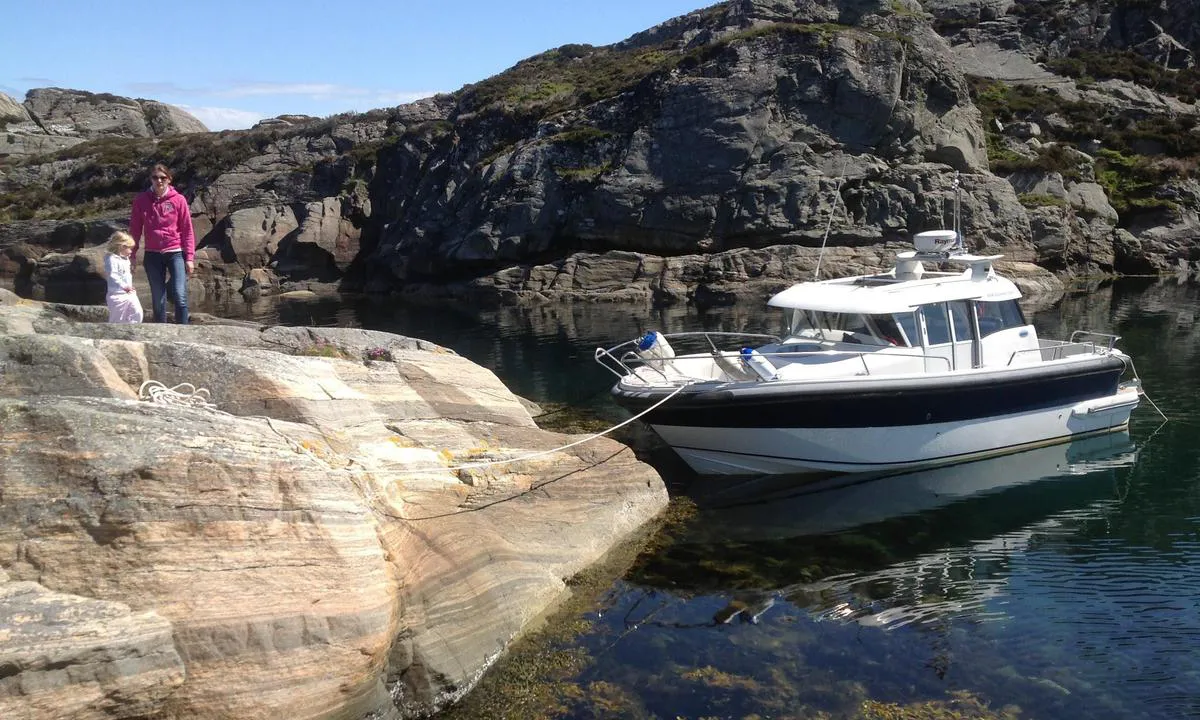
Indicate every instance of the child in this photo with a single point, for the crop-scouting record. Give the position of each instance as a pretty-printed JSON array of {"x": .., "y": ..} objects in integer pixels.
[{"x": 123, "y": 303}]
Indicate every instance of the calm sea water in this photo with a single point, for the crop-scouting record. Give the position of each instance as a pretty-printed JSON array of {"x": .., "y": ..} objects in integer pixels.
[{"x": 1060, "y": 583}]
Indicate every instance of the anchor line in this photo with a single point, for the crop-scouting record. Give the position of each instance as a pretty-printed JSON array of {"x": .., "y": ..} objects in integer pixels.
[{"x": 188, "y": 395}]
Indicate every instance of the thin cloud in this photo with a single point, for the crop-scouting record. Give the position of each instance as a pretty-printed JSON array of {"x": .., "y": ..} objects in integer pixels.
[
  {"x": 150, "y": 89},
  {"x": 402, "y": 98},
  {"x": 316, "y": 91},
  {"x": 222, "y": 118},
  {"x": 346, "y": 95},
  {"x": 324, "y": 91}
]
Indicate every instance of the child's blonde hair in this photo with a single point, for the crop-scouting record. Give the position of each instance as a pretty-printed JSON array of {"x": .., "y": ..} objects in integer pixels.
[{"x": 118, "y": 240}]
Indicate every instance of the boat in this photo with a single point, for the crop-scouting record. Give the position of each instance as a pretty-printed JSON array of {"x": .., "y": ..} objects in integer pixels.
[
  {"x": 931, "y": 362},
  {"x": 773, "y": 507}
]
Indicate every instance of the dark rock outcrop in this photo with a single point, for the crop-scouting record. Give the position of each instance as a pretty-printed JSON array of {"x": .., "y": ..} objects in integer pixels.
[{"x": 778, "y": 126}]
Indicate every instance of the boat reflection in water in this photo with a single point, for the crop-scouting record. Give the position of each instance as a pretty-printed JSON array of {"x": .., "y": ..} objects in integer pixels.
[{"x": 894, "y": 550}]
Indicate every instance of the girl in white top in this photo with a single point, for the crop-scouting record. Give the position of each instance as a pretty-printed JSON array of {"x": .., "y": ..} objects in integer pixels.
[{"x": 123, "y": 303}]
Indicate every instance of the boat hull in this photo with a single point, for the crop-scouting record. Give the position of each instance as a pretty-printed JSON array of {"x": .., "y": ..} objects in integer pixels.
[{"x": 870, "y": 425}]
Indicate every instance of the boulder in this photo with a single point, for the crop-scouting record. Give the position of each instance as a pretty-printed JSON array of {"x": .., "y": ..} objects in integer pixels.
[
  {"x": 12, "y": 112},
  {"x": 89, "y": 115},
  {"x": 53, "y": 119},
  {"x": 351, "y": 524}
]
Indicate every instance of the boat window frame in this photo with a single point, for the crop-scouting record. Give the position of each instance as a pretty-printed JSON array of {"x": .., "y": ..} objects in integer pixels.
[
  {"x": 993, "y": 316},
  {"x": 969, "y": 325},
  {"x": 945, "y": 312},
  {"x": 893, "y": 336},
  {"x": 907, "y": 322}
]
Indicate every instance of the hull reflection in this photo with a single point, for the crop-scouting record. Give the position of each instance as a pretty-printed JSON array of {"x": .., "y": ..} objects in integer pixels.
[
  {"x": 773, "y": 506},
  {"x": 909, "y": 548}
]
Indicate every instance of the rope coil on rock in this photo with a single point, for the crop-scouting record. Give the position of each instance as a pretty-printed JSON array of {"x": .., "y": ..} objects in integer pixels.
[
  {"x": 185, "y": 394},
  {"x": 188, "y": 395}
]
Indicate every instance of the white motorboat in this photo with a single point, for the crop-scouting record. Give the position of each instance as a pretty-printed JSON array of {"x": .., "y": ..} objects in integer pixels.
[
  {"x": 771, "y": 507},
  {"x": 929, "y": 363}
]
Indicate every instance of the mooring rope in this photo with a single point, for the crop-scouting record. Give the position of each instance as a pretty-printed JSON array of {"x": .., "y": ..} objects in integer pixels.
[
  {"x": 185, "y": 394},
  {"x": 188, "y": 395},
  {"x": 1142, "y": 390}
]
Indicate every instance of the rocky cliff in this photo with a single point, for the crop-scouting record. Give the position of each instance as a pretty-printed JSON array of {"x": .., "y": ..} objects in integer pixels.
[
  {"x": 52, "y": 119},
  {"x": 709, "y": 155},
  {"x": 331, "y": 537}
]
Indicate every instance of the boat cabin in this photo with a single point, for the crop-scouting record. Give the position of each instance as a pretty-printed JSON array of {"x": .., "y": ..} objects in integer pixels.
[{"x": 955, "y": 320}]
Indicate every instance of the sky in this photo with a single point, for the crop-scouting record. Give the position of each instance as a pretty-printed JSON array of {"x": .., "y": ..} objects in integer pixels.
[{"x": 232, "y": 64}]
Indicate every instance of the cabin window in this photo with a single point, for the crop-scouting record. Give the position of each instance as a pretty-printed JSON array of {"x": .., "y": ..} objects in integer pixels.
[
  {"x": 908, "y": 323},
  {"x": 960, "y": 319},
  {"x": 995, "y": 316},
  {"x": 937, "y": 325},
  {"x": 887, "y": 329},
  {"x": 814, "y": 323},
  {"x": 848, "y": 327}
]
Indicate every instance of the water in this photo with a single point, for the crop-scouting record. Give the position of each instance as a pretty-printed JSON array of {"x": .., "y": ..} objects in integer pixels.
[{"x": 1061, "y": 583}]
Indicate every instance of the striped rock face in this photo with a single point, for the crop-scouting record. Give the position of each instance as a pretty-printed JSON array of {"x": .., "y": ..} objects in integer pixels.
[{"x": 322, "y": 538}]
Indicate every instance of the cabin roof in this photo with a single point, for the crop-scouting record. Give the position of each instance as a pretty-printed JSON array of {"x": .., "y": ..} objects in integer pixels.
[{"x": 884, "y": 294}]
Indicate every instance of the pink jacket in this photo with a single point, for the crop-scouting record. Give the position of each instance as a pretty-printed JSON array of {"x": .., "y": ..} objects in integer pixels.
[{"x": 167, "y": 222}]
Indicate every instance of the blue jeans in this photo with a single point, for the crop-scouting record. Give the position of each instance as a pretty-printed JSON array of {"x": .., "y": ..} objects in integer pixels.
[{"x": 158, "y": 266}]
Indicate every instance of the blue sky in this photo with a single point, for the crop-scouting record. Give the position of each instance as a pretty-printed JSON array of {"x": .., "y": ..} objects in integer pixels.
[{"x": 234, "y": 63}]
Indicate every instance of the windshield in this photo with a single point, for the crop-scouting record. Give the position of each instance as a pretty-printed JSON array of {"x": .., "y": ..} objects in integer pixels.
[{"x": 895, "y": 329}]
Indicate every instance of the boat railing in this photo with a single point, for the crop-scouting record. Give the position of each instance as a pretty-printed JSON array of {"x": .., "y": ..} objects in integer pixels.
[
  {"x": 1060, "y": 349},
  {"x": 622, "y": 359},
  {"x": 862, "y": 356},
  {"x": 1109, "y": 338}
]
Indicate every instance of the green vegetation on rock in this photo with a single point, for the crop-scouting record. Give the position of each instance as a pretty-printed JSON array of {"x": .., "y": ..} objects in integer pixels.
[
  {"x": 1033, "y": 200},
  {"x": 1128, "y": 65},
  {"x": 1136, "y": 155},
  {"x": 566, "y": 77}
]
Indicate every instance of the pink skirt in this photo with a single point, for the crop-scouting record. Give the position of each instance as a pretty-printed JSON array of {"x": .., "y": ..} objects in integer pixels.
[{"x": 124, "y": 308}]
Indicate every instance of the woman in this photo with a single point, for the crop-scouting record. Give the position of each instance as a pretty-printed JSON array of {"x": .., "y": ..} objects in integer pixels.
[{"x": 163, "y": 215}]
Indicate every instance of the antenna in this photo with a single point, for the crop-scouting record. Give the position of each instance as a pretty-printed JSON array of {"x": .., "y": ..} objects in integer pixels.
[
  {"x": 957, "y": 217},
  {"x": 837, "y": 195}
]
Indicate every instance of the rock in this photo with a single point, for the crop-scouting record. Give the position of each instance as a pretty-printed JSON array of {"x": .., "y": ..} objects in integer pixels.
[
  {"x": 89, "y": 115},
  {"x": 325, "y": 244},
  {"x": 306, "y": 545},
  {"x": 76, "y": 278},
  {"x": 69, "y": 656},
  {"x": 163, "y": 119},
  {"x": 256, "y": 282},
  {"x": 1023, "y": 130},
  {"x": 971, "y": 12},
  {"x": 53, "y": 119},
  {"x": 1053, "y": 234},
  {"x": 12, "y": 112},
  {"x": 743, "y": 126},
  {"x": 285, "y": 121},
  {"x": 1089, "y": 199}
]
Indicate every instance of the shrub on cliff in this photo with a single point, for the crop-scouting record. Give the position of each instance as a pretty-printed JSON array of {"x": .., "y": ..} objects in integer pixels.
[{"x": 1128, "y": 65}]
